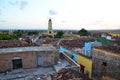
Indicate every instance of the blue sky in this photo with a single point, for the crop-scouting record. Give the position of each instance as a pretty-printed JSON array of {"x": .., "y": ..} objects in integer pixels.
[{"x": 65, "y": 14}]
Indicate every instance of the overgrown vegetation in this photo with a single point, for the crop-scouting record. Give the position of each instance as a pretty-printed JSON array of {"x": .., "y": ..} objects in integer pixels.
[
  {"x": 19, "y": 33},
  {"x": 83, "y": 32},
  {"x": 8, "y": 37},
  {"x": 59, "y": 34}
]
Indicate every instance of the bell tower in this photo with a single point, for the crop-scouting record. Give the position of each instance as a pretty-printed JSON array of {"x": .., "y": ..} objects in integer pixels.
[{"x": 50, "y": 31}]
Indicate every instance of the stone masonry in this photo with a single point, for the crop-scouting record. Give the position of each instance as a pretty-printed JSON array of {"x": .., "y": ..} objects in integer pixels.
[
  {"x": 28, "y": 60},
  {"x": 29, "y": 57},
  {"x": 105, "y": 63}
]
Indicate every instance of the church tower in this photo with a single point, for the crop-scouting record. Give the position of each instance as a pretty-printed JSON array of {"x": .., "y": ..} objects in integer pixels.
[{"x": 50, "y": 31}]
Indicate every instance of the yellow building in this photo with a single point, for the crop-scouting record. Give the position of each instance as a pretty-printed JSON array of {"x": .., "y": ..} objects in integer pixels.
[
  {"x": 85, "y": 65},
  {"x": 114, "y": 34}
]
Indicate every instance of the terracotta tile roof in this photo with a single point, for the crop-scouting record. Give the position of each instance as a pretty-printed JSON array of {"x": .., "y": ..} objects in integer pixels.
[
  {"x": 79, "y": 43},
  {"x": 14, "y": 43},
  {"x": 114, "y": 49},
  {"x": 50, "y": 40},
  {"x": 71, "y": 35},
  {"x": 69, "y": 74}
]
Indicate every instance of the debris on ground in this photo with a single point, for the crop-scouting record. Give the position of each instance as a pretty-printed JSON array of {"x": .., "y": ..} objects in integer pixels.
[{"x": 69, "y": 74}]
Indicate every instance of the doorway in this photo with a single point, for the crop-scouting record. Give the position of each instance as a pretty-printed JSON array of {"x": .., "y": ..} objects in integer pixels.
[
  {"x": 82, "y": 68},
  {"x": 103, "y": 68},
  {"x": 39, "y": 61},
  {"x": 17, "y": 63}
]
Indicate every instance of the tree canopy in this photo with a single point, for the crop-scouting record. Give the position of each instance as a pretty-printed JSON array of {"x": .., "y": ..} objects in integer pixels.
[
  {"x": 19, "y": 33},
  {"x": 59, "y": 34},
  {"x": 33, "y": 33},
  {"x": 7, "y": 37},
  {"x": 83, "y": 32}
]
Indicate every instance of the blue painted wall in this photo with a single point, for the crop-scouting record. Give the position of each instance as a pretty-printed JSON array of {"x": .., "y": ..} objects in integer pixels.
[
  {"x": 87, "y": 49},
  {"x": 75, "y": 56}
]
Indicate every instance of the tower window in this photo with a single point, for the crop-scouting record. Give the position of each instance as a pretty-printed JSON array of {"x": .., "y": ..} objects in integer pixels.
[
  {"x": 49, "y": 32},
  {"x": 104, "y": 64}
]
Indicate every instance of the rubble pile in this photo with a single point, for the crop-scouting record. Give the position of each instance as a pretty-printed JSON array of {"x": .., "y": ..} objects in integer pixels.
[
  {"x": 78, "y": 43},
  {"x": 69, "y": 74},
  {"x": 14, "y": 43},
  {"x": 114, "y": 49}
]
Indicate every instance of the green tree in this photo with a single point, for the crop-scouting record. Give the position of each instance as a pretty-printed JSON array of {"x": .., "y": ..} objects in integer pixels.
[
  {"x": 83, "y": 32},
  {"x": 59, "y": 34},
  {"x": 104, "y": 41},
  {"x": 7, "y": 37},
  {"x": 33, "y": 33},
  {"x": 19, "y": 33}
]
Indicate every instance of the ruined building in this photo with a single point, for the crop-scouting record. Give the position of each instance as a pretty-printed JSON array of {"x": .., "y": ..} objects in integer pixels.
[
  {"x": 106, "y": 62},
  {"x": 18, "y": 56}
]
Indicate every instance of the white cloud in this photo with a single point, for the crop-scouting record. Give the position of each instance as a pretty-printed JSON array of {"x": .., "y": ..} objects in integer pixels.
[
  {"x": 72, "y": 14},
  {"x": 23, "y": 4},
  {"x": 20, "y": 4},
  {"x": 52, "y": 12}
]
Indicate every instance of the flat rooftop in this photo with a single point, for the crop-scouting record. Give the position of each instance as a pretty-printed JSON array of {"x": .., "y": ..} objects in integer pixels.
[{"x": 27, "y": 49}]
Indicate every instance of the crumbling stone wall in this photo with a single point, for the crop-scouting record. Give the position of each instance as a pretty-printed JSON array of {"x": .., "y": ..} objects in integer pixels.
[
  {"x": 28, "y": 60},
  {"x": 105, "y": 64},
  {"x": 49, "y": 58}
]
